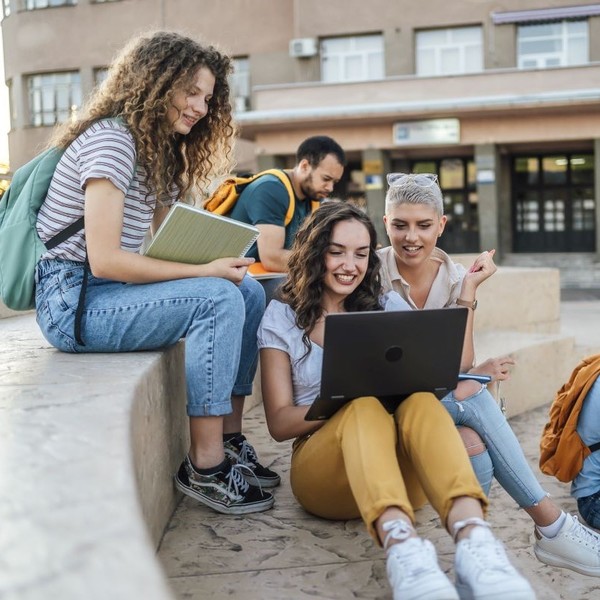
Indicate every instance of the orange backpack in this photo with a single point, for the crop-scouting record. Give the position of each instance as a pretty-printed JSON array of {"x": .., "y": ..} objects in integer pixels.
[
  {"x": 223, "y": 199},
  {"x": 562, "y": 451}
]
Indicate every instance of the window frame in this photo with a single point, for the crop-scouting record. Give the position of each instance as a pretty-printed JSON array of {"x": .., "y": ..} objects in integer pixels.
[
  {"x": 366, "y": 56},
  {"x": 541, "y": 58},
  {"x": 464, "y": 50},
  {"x": 31, "y": 5},
  {"x": 37, "y": 94}
]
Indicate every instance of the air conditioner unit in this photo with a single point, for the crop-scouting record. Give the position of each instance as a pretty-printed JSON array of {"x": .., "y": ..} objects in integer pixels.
[{"x": 303, "y": 47}]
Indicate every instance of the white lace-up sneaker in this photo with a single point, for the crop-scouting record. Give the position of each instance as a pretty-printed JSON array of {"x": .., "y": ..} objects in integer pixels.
[
  {"x": 414, "y": 573},
  {"x": 483, "y": 571},
  {"x": 574, "y": 547}
]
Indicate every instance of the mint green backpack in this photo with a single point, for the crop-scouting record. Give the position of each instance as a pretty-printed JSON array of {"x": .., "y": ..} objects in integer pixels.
[{"x": 20, "y": 245}]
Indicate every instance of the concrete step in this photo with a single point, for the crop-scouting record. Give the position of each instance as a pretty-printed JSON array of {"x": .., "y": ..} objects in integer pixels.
[
  {"x": 543, "y": 363},
  {"x": 89, "y": 445},
  {"x": 577, "y": 269}
]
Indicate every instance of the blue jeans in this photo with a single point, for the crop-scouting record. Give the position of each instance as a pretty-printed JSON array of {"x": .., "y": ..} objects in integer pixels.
[
  {"x": 589, "y": 508},
  {"x": 484, "y": 470},
  {"x": 218, "y": 320},
  {"x": 481, "y": 413}
]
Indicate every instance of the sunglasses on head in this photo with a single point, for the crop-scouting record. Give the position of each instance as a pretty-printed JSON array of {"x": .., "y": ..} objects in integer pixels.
[{"x": 421, "y": 179}]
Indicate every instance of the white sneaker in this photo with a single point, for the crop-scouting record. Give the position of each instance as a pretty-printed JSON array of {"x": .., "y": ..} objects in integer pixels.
[
  {"x": 414, "y": 573},
  {"x": 483, "y": 571},
  {"x": 575, "y": 547}
]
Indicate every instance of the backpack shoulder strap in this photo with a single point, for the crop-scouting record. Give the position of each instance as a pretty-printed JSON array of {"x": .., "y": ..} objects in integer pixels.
[{"x": 281, "y": 175}]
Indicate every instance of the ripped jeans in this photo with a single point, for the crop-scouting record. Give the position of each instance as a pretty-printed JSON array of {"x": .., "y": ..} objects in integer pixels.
[{"x": 481, "y": 413}]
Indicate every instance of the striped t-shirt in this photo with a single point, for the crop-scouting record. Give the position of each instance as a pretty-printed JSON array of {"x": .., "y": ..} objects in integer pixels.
[{"x": 106, "y": 150}]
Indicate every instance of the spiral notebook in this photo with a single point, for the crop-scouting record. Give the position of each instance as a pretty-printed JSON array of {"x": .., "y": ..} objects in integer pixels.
[{"x": 194, "y": 235}]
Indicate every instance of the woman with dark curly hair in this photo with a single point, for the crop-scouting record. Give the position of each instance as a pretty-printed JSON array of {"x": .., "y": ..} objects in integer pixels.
[
  {"x": 364, "y": 461},
  {"x": 159, "y": 126}
]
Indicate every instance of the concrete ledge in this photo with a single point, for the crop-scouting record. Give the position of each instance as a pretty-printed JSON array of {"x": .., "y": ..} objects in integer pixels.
[
  {"x": 517, "y": 299},
  {"x": 543, "y": 363},
  {"x": 75, "y": 519}
]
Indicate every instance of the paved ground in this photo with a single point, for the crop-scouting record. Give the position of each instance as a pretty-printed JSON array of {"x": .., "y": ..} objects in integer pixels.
[{"x": 287, "y": 554}]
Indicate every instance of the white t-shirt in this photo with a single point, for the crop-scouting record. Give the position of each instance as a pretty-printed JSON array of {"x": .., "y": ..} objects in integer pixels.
[
  {"x": 106, "y": 150},
  {"x": 278, "y": 330}
]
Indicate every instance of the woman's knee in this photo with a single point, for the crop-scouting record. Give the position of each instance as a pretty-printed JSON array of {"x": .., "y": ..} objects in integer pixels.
[
  {"x": 472, "y": 441},
  {"x": 366, "y": 403},
  {"x": 421, "y": 405},
  {"x": 466, "y": 389},
  {"x": 366, "y": 411},
  {"x": 228, "y": 296},
  {"x": 253, "y": 294}
]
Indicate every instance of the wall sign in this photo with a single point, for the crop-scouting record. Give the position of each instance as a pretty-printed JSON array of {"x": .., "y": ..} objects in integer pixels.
[{"x": 432, "y": 131}]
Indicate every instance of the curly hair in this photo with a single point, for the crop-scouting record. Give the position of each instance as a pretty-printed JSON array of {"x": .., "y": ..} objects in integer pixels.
[
  {"x": 139, "y": 89},
  {"x": 303, "y": 288}
]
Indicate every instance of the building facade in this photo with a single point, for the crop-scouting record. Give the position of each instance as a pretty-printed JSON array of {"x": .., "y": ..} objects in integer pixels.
[{"x": 500, "y": 99}]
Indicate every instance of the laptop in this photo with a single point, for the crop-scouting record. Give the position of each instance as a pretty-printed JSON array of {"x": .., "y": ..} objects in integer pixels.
[{"x": 389, "y": 355}]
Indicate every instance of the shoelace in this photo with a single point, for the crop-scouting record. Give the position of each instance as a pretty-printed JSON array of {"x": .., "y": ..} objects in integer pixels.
[
  {"x": 589, "y": 537},
  {"x": 490, "y": 555},
  {"x": 237, "y": 481},
  {"x": 397, "y": 529},
  {"x": 247, "y": 454},
  {"x": 470, "y": 521}
]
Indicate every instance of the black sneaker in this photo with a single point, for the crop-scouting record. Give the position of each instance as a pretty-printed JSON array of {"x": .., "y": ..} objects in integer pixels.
[
  {"x": 226, "y": 491},
  {"x": 240, "y": 451}
]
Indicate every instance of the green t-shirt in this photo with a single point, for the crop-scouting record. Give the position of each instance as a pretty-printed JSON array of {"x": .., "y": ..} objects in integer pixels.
[{"x": 266, "y": 202}]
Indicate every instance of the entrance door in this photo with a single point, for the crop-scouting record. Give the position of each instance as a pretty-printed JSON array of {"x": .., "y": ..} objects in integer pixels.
[{"x": 554, "y": 207}]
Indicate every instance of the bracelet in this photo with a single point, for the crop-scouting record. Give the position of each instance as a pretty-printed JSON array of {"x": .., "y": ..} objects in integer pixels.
[{"x": 468, "y": 303}]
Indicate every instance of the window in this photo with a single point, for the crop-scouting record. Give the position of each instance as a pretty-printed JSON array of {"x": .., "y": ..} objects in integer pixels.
[
  {"x": 358, "y": 58},
  {"x": 100, "y": 74},
  {"x": 6, "y": 8},
  {"x": 554, "y": 208},
  {"x": 35, "y": 4},
  {"x": 449, "y": 51},
  {"x": 240, "y": 84},
  {"x": 53, "y": 97},
  {"x": 557, "y": 44}
]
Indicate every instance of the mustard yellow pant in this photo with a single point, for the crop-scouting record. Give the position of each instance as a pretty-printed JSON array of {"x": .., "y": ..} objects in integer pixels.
[{"x": 364, "y": 460}]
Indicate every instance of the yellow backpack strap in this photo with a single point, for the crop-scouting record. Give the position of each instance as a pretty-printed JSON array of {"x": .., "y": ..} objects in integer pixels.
[
  {"x": 314, "y": 204},
  {"x": 290, "y": 190}
]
